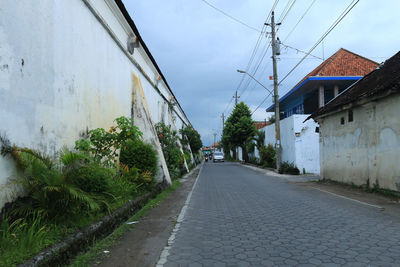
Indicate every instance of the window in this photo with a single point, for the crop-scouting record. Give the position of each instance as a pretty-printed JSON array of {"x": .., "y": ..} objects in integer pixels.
[
  {"x": 342, "y": 120},
  {"x": 350, "y": 115}
]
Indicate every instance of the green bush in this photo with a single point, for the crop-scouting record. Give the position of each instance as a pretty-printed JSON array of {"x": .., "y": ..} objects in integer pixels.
[
  {"x": 254, "y": 160},
  {"x": 193, "y": 138},
  {"x": 139, "y": 155},
  {"x": 267, "y": 156},
  {"x": 188, "y": 157},
  {"x": 172, "y": 154},
  {"x": 91, "y": 178},
  {"x": 289, "y": 168},
  {"x": 104, "y": 145}
]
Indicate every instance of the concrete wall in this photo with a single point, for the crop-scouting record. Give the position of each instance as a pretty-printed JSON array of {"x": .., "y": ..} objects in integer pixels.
[
  {"x": 63, "y": 71},
  {"x": 299, "y": 142},
  {"x": 367, "y": 148}
]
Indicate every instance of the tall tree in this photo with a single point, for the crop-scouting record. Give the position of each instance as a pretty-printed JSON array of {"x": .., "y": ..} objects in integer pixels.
[{"x": 239, "y": 128}]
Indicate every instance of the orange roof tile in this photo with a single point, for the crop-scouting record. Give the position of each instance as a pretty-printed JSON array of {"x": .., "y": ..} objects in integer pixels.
[
  {"x": 261, "y": 124},
  {"x": 344, "y": 63}
]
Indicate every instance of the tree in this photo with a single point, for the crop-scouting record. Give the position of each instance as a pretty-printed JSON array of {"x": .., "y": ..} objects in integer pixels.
[
  {"x": 260, "y": 138},
  {"x": 193, "y": 138},
  {"x": 239, "y": 129}
]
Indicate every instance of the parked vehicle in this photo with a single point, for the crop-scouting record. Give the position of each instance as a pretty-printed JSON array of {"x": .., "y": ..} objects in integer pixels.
[{"x": 218, "y": 156}]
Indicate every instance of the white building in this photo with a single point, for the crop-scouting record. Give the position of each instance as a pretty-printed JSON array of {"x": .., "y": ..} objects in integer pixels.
[
  {"x": 360, "y": 130},
  {"x": 70, "y": 66},
  {"x": 298, "y": 141}
]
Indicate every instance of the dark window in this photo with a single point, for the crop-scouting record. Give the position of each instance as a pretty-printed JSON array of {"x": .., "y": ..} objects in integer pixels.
[
  {"x": 350, "y": 115},
  {"x": 317, "y": 129},
  {"x": 342, "y": 120}
]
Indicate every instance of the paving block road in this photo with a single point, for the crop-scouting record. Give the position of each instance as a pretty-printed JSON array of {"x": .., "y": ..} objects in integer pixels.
[{"x": 239, "y": 217}]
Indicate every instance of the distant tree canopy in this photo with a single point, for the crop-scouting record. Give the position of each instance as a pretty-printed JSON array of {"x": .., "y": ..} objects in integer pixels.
[
  {"x": 239, "y": 129},
  {"x": 193, "y": 138}
]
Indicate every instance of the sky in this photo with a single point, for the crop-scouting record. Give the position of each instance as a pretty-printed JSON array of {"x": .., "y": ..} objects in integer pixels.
[{"x": 199, "y": 49}]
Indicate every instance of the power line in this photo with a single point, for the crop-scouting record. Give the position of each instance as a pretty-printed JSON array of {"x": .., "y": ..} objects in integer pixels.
[
  {"x": 261, "y": 104},
  {"x": 254, "y": 52},
  {"x": 283, "y": 16},
  {"x": 257, "y": 46},
  {"x": 287, "y": 12},
  {"x": 301, "y": 18},
  {"x": 301, "y": 51},
  {"x": 338, "y": 20},
  {"x": 231, "y": 17}
]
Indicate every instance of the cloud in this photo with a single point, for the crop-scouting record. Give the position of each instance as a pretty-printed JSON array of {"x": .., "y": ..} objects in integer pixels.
[{"x": 199, "y": 49}]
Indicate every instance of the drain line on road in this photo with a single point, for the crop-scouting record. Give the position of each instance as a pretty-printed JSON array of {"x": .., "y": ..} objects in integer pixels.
[
  {"x": 165, "y": 253},
  {"x": 355, "y": 200}
]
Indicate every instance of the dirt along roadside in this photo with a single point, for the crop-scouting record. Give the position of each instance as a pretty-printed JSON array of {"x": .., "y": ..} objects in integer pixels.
[{"x": 142, "y": 245}]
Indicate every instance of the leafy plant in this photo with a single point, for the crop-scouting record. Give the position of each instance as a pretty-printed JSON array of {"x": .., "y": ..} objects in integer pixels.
[
  {"x": 91, "y": 178},
  {"x": 267, "y": 156},
  {"x": 104, "y": 145},
  {"x": 140, "y": 155},
  {"x": 289, "y": 168},
  {"x": 193, "y": 138},
  {"x": 169, "y": 144},
  {"x": 22, "y": 235}
]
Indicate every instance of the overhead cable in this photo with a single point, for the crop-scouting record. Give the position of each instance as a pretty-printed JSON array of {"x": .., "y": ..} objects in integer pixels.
[
  {"x": 301, "y": 18},
  {"x": 260, "y": 104},
  {"x": 256, "y": 48},
  {"x": 231, "y": 17},
  {"x": 301, "y": 51},
  {"x": 254, "y": 52},
  {"x": 284, "y": 15},
  {"x": 338, "y": 20}
]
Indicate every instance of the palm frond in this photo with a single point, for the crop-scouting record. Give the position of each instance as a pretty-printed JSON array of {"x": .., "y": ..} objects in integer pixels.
[
  {"x": 68, "y": 157},
  {"x": 47, "y": 161}
]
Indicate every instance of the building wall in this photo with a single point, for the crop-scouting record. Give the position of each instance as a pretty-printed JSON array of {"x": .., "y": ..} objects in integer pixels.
[
  {"x": 367, "y": 148},
  {"x": 301, "y": 149},
  {"x": 62, "y": 73}
]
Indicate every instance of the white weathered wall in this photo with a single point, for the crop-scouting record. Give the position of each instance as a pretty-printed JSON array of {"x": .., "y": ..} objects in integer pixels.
[
  {"x": 62, "y": 73},
  {"x": 302, "y": 150},
  {"x": 367, "y": 148}
]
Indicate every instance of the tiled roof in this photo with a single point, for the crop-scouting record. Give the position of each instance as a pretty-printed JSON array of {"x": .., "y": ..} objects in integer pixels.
[
  {"x": 261, "y": 124},
  {"x": 383, "y": 79},
  {"x": 343, "y": 63}
]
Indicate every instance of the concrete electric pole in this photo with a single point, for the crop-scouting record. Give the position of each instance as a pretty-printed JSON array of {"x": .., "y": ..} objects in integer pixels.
[
  {"x": 276, "y": 96},
  {"x": 223, "y": 120},
  {"x": 236, "y": 97},
  {"x": 215, "y": 135}
]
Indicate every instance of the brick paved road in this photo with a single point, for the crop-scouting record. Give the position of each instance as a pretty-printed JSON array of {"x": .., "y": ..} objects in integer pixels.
[{"x": 238, "y": 217}]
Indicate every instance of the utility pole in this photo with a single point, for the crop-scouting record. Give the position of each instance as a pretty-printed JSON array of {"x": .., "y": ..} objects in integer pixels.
[
  {"x": 236, "y": 97},
  {"x": 223, "y": 121},
  {"x": 215, "y": 135},
  {"x": 276, "y": 96}
]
